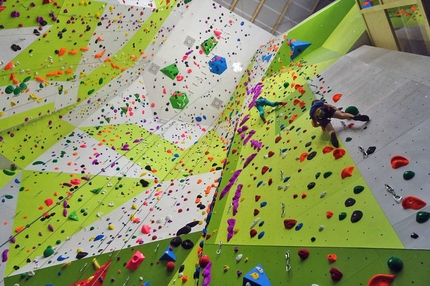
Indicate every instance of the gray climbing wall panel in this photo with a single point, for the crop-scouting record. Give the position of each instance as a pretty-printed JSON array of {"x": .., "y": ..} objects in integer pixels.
[{"x": 392, "y": 88}]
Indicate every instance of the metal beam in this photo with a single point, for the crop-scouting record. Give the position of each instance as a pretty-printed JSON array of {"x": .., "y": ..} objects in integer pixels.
[
  {"x": 314, "y": 7},
  {"x": 233, "y": 4},
  {"x": 257, "y": 10},
  {"x": 281, "y": 16}
]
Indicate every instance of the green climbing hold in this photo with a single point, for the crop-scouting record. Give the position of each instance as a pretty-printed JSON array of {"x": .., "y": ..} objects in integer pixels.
[
  {"x": 408, "y": 175},
  {"x": 38, "y": 163},
  {"x": 48, "y": 251},
  {"x": 58, "y": 242},
  {"x": 395, "y": 264},
  {"x": 358, "y": 189},
  {"x": 96, "y": 191},
  {"x": 17, "y": 90},
  {"x": 73, "y": 216},
  {"x": 342, "y": 215},
  {"x": 9, "y": 89},
  {"x": 101, "y": 81},
  {"x": 422, "y": 217},
  {"x": 27, "y": 79},
  {"x": 286, "y": 84},
  {"x": 90, "y": 91},
  {"x": 8, "y": 197},
  {"x": 317, "y": 175},
  {"x": 352, "y": 109},
  {"x": 8, "y": 173},
  {"x": 348, "y": 139},
  {"x": 21, "y": 189},
  {"x": 13, "y": 167},
  {"x": 23, "y": 86},
  {"x": 327, "y": 174}
]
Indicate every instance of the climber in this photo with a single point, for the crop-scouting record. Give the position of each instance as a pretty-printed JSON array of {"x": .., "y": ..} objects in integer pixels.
[
  {"x": 261, "y": 102},
  {"x": 321, "y": 114}
]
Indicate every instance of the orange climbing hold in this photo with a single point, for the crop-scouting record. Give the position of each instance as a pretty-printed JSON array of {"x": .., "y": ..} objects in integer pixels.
[
  {"x": 73, "y": 52},
  {"x": 398, "y": 161},
  {"x": 411, "y": 202},
  {"x": 381, "y": 280},
  {"x": 336, "y": 97},
  {"x": 40, "y": 79},
  {"x": 339, "y": 153},
  {"x": 331, "y": 257},
  {"x": 62, "y": 51},
  {"x": 327, "y": 149},
  {"x": 347, "y": 172},
  {"x": 303, "y": 156},
  {"x": 84, "y": 49},
  {"x": 8, "y": 66}
]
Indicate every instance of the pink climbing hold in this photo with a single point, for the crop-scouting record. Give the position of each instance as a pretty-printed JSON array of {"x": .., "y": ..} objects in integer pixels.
[
  {"x": 49, "y": 202},
  {"x": 146, "y": 229},
  {"x": 217, "y": 34}
]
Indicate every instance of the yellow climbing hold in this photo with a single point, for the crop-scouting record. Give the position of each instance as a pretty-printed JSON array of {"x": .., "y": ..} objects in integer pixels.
[{"x": 111, "y": 227}]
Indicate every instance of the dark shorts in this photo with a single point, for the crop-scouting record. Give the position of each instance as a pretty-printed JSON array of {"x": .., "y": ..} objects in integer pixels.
[{"x": 328, "y": 114}]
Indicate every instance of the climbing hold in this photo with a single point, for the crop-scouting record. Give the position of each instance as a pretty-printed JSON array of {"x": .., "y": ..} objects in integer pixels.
[
  {"x": 422, "y": 217},
  {"x": 252, "y": 233},
  {"x": 187, "y": 244},
  {"x": 338, "y": 153},
  {"x": 176, "y": 241},
  {"x": 256, "y": 212},
  {"x": 5, "y": 255},
  {"x": 303, "y": 253},
  {"x": 356, "y": 216},
  {"x": 414, "y": 235},
  {"x": 146, "y": 229},
  {"x": 411, "y": 202},
  {"x": 260, "y": 235},
  {"x": 311, "y": 155},
  {"x": 398, "y": 161},
  {"x": 257, "y": 198},
  {"x": 170, "y": 266},
  {"x": 331, "y": 257},
  {"x": 358, "y": 189},
  {"x": 408, "y": 175},
  {"x": 352, "y": 110},
  {"x": 327, "y": 174},
  {"x": 395, "y": 264},
  {"x": 327, "y": 149},
  {"x": 311, "y": 185},
  {"x": 299, "y": 226},
  {"x": 317, "y": 175},
  {"x": 81, "y": 254},
  {"x": 336, "y": 97},
  {"x": 347, "y": 172},
  {"x": 329, "y": 214},
  {"x": 349, "y": 202},
  {"x": 381, "y": 280},
  {"x": 263, "y": 204},
  {"x": 289, "y": 223},
  {"x": 335, "y": 274},
  {"x": 204, "y": 261},
  {"x": 48, "y": 251},
  {"x": 264, "y": 170},
  {"x": 342, "y": 215}
]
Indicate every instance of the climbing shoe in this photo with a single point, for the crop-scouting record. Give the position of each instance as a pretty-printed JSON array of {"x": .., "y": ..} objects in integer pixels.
[
  {"x": 361, "y": 118},
  {"x": 333, "y": 140}
]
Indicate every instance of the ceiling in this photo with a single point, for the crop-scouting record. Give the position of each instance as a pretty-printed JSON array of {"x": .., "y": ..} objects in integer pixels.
[{"x": 274, "y": 16}]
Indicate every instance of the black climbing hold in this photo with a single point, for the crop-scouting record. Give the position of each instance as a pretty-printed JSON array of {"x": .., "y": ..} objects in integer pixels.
[
  {"x": 181, "y": 269},
  {"x": 308, "y": 144},
  {"x": 144, "y": 183},
  {"x": 313, "y": 239},
  {"x": 414, "y": 235},
  {"x": 311, "y": 155},
  {"x": 176, "y": 241},
  {"x": 187, "y": 244},
  {"x": 358, "y": 189},
  {"x": 201, "y": 206},
  {"x": 184, "y": 230},
  {"x": 356, "y": 216},
  {"x": 81, "y": 254},
  {"x": 311, "y": 185},
  {"x": 193, "y": 223},
  {"x": 349, "y": 202},
  {"x": 148, "y": 168},
  {"x": 371, "y": 150}
]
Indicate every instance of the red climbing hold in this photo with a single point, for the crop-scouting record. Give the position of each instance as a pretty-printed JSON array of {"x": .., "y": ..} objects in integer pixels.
[
  {"x": 257, "y": 198},
  {"x": 289, "y": 223},
  {"x": 271, "y": 153},
  {"x": 347, "y": 172},
  {"x": 278, "y": 139},
  {"x": 256, "y": 212},
  {"x": 411, "y": 202},
  {"x": 339, "y": 153},
  {"x": 398, "y": 161},
  {"x": 327, "y": 149},
  {"x": 303, "y": 253},
  {"x": 270, "y": 182},
  {"x": 264, "y": 170},
  {"x": 329, "y": 214},
  {"x": 381, "y": 280},
  {"x": 335, "y": 274},
  {"x": 331, "y": 258},
  {"x": 337, "y": 97},
  {"x": 252, "y": 233}
]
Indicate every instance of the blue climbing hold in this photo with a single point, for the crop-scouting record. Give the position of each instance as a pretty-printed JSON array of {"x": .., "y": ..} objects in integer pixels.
[
  {"x": 299, "y": 226},
  {"x": 260, "y": 235},
  {"x": 263, "y": 204}
]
